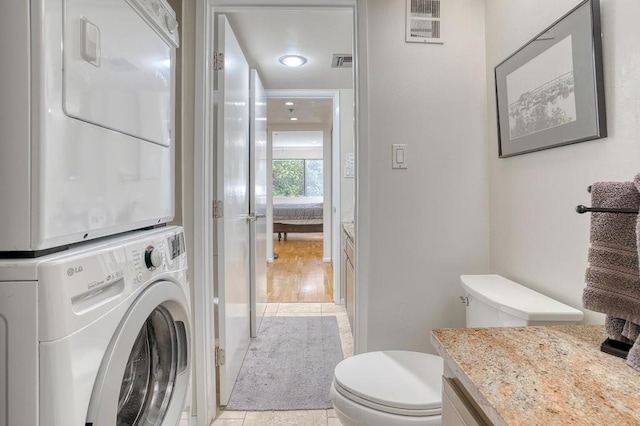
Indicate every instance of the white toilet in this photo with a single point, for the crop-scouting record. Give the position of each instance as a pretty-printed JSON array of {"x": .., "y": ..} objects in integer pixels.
[{"x": 398, "y": 388}]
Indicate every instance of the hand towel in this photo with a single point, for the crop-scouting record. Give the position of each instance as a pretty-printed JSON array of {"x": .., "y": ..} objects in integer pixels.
[
  {"x": 613, "y": 278},
  {"x": 614, "y": 328},
  {"x": 633, "y": 359},
  {"x": 631, "y": 330},
  {"x": 613, "y": 275}
]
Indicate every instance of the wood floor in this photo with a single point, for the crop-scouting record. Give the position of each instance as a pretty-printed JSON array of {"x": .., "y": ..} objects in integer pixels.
[{"x": 299, "y": 274}]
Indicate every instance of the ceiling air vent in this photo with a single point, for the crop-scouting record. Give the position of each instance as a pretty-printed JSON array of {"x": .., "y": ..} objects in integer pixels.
[{"x": 342, "y": 60}]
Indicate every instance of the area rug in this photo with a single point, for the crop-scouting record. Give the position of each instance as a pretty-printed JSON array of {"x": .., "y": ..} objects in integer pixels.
[{"x": 289, "y": 366}]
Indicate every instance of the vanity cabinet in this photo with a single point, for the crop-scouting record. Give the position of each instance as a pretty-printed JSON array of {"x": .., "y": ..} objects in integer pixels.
[
  {"x": 457, "y": 408},
  {"x": 547, "y": 375},
  {"x": 348, "y": 275}
]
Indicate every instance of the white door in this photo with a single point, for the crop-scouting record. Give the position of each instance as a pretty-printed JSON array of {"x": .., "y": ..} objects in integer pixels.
[
  {"x": 232, "y": 187},
  {"x": 258, "y": 201}
]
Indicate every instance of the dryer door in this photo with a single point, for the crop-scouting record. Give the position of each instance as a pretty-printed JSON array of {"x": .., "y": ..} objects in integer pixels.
[
  {"x": 119, "y": 66},
  {"x": 144, "y": 376}
]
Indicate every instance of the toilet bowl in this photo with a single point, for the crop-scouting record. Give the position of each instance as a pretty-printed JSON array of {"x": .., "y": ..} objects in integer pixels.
[
  {"x": 388, "y": 388},
  {"x": 402, "y": 388}
]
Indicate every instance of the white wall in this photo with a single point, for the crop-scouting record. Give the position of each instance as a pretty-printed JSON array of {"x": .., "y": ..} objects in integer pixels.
[
  {"x": 536, "y": 236},
  {"x": 427, "y": 224},
  {"x": 347, "y": 185}
]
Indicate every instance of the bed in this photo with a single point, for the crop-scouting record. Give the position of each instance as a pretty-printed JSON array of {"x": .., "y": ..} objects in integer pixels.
[{"x": 297, "y": 217}]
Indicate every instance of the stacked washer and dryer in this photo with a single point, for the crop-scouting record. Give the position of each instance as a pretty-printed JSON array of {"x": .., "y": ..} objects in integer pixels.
[{"x": 94, "y": 299}]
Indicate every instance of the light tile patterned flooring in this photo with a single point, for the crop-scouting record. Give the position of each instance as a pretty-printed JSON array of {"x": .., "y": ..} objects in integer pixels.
[{"x": 295, "y": 418}]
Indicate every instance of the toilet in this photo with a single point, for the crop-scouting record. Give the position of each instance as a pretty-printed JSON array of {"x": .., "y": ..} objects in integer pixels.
[{"x": 403, "y": 388}]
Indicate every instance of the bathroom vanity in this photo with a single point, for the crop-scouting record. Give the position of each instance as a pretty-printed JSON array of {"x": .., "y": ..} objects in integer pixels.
[
  {"x": 348, "y": 267},
  {"x": 534, "y": 375}
]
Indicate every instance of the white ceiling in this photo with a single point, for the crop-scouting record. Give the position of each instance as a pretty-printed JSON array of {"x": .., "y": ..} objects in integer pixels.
[
  {"x": 266, "y": 35},
  {"x": 307, "y": 110},
  {"x": 297, "y": 139}
]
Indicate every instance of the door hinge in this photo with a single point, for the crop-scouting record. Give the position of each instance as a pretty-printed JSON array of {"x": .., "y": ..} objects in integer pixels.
[
  {"x": 220, "y": 356},
  {"x": 218, "y": 61},
  {"x": 218, "y": 209}
]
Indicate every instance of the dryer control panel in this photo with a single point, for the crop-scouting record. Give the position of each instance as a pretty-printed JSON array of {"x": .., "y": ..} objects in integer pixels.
[{"x": 159, "y": 14}]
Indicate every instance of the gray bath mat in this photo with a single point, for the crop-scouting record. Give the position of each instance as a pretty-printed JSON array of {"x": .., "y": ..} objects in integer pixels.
[{"x": 289, "y": 366}]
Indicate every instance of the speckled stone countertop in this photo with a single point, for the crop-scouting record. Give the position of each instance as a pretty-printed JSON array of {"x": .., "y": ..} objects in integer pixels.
[
  {"x": 349, "y": 229},
  {"x": 542, "y": 375}
]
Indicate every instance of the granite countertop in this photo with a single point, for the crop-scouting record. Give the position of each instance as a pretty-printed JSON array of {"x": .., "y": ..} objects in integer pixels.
[
  {"x": 349, "y": 229},
  {"x": 542, "y": 375}
]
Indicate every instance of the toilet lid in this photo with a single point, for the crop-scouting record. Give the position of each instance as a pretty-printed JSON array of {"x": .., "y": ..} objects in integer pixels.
[{"x": 399, "y": 380}]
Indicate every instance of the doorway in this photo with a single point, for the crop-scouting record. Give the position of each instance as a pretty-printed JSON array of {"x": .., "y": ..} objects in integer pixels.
[
  {"x": 333, "y": 211},
  {"x": 299, "y": 194}
]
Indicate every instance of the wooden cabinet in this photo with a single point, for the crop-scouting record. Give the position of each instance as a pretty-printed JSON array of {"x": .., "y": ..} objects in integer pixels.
[
  {"x": 348, "y": 268},
  {"x": 457, "y": 409}
]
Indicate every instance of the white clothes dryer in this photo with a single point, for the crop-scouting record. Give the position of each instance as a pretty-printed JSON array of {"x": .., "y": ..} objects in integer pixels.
[
  {"x": 87, "y": 117},
  {"x": 98, "y": 335}
]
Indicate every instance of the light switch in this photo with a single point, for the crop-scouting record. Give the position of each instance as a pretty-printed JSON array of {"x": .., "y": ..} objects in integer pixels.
[{"x": 399, "y": 156}]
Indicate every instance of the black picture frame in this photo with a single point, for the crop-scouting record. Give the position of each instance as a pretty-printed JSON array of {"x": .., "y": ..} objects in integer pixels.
[{"x": 550, "y": 92}]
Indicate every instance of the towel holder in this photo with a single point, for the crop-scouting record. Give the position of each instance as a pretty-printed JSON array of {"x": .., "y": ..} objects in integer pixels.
[{"x": 584, "y": 209}]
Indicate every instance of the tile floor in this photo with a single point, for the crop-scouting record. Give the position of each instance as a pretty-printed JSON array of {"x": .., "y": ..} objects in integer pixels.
[{"x": 295, "y": 418}]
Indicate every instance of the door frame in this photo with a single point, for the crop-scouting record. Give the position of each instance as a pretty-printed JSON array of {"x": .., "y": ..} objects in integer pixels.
[{"x": 204, "y": 384}]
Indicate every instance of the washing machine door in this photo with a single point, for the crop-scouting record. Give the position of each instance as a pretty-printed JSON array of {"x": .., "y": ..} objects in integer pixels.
[{"x": 144, "y": 376}]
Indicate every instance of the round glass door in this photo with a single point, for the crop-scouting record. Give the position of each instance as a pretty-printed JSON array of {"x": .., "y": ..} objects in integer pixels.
[{"x": 150, "y": 373}]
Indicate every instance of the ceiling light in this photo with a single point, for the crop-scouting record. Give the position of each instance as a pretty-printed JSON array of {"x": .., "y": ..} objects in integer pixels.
[
  {"x": 289, "y": 103},
  {"x": 294, "y": 119},
  {"x": 292, "y": 60}
]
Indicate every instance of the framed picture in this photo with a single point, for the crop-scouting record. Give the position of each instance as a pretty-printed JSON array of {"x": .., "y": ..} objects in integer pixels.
[
  {"x": 551, "y": 91},
  {"x": 423, "y": 21}
]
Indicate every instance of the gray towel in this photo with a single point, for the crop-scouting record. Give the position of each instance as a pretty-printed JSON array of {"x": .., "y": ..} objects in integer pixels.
[
  {"x": 612, "y": 278},
  {"x": 633, "y": 359},
  {"x": 614, "y": 328},
  {"x": 631, "y": 330},
  {"x": 613, "y": 275},
  {"x": 611, "y": 229}
]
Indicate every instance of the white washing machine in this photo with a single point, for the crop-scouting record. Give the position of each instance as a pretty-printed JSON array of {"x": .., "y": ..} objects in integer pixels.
[
  {"x": 86, "y": 119},
  {"x": 98, "y": 335}
]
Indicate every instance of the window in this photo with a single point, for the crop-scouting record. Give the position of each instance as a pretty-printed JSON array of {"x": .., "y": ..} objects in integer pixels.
[{"x": 297, "y": 178}]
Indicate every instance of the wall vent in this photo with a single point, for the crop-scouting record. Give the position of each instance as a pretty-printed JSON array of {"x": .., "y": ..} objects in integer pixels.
[
  {"x": 342, "y": 60},
  {"x": 424, "y": 21}
]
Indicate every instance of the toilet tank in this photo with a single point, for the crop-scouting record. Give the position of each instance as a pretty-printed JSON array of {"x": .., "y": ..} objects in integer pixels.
[{"x": 494, "y": 301}]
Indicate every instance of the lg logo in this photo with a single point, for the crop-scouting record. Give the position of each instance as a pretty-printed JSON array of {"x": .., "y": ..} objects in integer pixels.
[{"x": 72, "y": 271}]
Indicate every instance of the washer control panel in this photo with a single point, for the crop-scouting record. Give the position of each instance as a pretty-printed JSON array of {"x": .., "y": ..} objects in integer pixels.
[
  {"x": 156, "y": 256},
  {"x": 81, "y": 285},
  {"x": 152, "y": 258}
]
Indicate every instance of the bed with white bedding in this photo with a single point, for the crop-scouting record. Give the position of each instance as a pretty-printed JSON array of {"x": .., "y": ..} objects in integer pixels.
[{"x": 297, "y": 217}]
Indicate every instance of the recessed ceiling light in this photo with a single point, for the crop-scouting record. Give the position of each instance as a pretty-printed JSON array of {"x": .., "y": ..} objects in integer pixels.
[
  {"x": 292, "y": 60},
  {"x": 294, "y": 119},
  {"x": 289, "y": 103}
]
